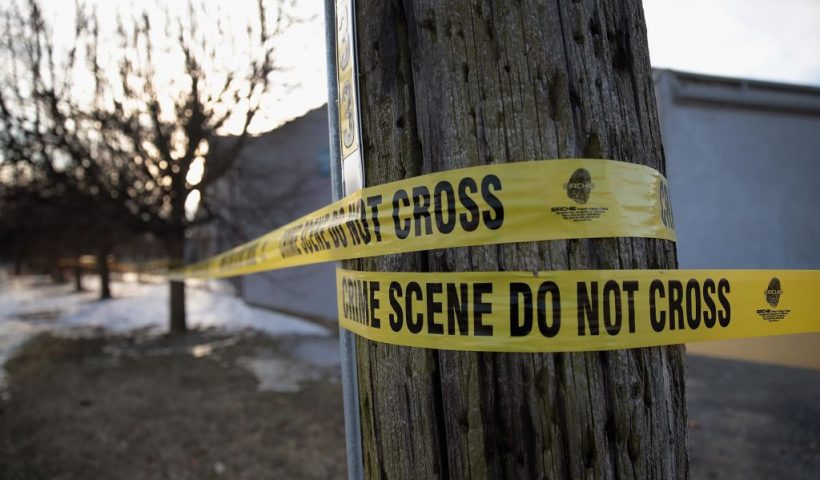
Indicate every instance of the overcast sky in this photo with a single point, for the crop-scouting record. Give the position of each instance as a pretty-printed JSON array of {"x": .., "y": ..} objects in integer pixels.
[
  {"x": 775, "y": 40},
  {"x": 764, "y": 39}
]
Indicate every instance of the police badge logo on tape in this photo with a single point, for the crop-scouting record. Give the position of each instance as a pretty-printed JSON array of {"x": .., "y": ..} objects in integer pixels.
[
  {"x": 773, "y": 292},
  {"x": 772, "y": 296},
  {"x": 579, "y": 186},
  {"x": 579, "y": 189}
]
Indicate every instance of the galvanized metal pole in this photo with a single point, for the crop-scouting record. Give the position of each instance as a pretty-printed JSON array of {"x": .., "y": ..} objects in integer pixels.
[{"x": 347, "y": 344}]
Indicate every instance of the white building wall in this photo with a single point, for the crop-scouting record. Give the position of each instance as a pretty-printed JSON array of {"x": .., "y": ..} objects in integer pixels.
[
  {"x": 743, "y": 162},
  {"x": 279, "y": 177}
]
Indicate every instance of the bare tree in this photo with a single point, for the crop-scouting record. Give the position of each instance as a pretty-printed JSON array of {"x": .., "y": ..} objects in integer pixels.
[
  {"x": 128, "y": 116},
  {"x": 40, "y": 218}
]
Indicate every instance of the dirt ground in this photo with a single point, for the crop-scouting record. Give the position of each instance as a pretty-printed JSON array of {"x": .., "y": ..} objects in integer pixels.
[
  {"x": 751, "y": 421},
  {"x": 134, "y": 407},
  {"x": 147, "y": 407}
]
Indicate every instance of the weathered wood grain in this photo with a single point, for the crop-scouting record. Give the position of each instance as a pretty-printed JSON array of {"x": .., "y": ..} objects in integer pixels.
[{"x": 457, "y": 83}]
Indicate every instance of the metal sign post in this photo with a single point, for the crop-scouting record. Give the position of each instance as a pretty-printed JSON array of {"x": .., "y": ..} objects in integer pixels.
[{"x": 347, "y": 176}]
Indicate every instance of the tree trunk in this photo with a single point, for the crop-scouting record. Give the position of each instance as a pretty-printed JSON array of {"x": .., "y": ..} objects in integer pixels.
[
  {"x": 78, "y": 276},
  {"x": 475, "y": 82},
  {"x": 102, "y": 269},
  {"x": 176, "y": 254}
]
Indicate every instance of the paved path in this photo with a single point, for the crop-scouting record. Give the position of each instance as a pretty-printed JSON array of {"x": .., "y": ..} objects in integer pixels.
[{"x": 753, "y": 421}]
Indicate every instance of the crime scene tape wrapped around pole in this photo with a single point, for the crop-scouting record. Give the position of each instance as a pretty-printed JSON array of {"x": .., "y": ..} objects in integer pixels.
[
  {"x": 502, "y": 203},
  {"x": 580, "y": 310},
  {"x": 554, "y": 311}
]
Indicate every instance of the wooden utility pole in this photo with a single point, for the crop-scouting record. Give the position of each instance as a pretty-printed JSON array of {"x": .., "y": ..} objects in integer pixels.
[{"x": 458, "y": 83}]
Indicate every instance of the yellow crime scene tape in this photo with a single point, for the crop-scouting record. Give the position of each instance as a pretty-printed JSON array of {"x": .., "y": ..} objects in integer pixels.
[
  {"x": 521, "y": 311},
  {"x": 583, "y": 310},
  {"x": 504, "y": 203}
]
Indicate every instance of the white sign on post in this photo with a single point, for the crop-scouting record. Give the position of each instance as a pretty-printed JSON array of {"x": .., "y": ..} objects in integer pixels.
[{"x": 347, "y": 80}]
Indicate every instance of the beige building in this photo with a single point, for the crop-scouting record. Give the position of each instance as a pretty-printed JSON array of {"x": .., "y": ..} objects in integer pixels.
[{"x": 279, "y": 177}]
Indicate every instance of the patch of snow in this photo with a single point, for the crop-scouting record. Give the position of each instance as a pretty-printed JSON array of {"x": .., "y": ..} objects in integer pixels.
[
  {"x": 279, "y": 374},
  {"x": 30, "y": 305},
  {"x": 320, "y": 352}
]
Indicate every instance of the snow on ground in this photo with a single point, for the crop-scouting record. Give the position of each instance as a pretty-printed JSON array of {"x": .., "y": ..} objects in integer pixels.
[{"x": 30, "y": 305}]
